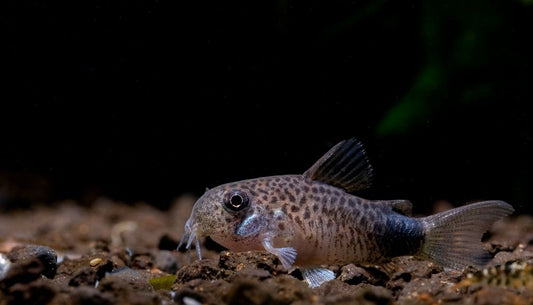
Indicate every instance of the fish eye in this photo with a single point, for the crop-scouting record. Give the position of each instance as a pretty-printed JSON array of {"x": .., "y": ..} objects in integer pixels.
[{"x": 235, "y": 201}]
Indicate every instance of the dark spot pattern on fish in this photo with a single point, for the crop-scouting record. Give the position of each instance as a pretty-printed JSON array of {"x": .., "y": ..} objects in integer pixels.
[
  {"x": 371, "y": 216},
  {"x": 362, "y": 222},
  {"x": 299, "y": 221},
  {"x": 307, "y": 213},
  {"x": 342, "y": 201}
]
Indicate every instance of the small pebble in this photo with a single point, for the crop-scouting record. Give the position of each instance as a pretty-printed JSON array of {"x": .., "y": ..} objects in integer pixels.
[
  {"x": 166, "y": 261},
  {"x": 87, "y": 274},
  {"x": 353, "y": 274},
  {"x": 45, "y": 255},
  {"x": 190, "y": 301},
  {"x": 127, "y": 279},
  {"x": 4, "y": 266},
  {"x": 95, "y": 261}
]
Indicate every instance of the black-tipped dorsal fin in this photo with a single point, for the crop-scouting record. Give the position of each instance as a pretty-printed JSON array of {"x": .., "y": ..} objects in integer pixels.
[{"x": 345, "y": 166}]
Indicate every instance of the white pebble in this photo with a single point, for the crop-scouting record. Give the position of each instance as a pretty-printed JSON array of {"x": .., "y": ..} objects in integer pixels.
[
  {"x": 5, "y": 263},
  {"x": 190, "y": 301}
]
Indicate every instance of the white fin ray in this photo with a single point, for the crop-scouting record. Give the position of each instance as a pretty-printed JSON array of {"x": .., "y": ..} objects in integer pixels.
[
  {"x": 287, "y": 255},
  {"x": 316, "y": 276}
]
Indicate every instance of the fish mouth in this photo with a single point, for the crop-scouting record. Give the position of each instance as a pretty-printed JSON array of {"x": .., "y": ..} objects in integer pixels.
[{"x": 191, "y": 235}]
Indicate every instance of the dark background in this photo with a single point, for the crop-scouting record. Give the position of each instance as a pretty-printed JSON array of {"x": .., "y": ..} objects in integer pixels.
[{"x": 148, "y": 100}]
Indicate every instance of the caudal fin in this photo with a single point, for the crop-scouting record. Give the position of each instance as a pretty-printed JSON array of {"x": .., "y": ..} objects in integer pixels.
[{"x": 453, "y": 238}]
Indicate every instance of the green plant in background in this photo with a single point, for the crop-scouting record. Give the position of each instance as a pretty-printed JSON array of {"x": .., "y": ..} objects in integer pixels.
[
  {"x": 414, "y": 108},
  {"x": 466, "y": 46}
]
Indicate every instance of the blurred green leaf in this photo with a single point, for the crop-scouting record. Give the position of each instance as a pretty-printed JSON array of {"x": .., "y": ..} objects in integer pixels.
[
  {"x": 415, "y": 106},
  {"x": 463, "y": 41},
  {"x": 477, "y": 94}
]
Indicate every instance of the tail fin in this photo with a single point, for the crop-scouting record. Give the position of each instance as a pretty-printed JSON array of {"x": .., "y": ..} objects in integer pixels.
[{"x": 453, "y": 238}]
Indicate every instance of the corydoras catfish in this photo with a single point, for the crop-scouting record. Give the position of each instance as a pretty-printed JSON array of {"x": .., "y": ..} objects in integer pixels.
[{"x": 312, "y": 220}]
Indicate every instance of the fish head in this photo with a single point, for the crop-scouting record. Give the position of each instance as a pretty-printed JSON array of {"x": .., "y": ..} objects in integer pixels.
[{"x": 229, "y": 214}]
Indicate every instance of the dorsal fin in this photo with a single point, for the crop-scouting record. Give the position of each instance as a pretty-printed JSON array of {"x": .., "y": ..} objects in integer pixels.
[
  {"x": 345, "y": 166},
  {"x": 404, "y": 207}
]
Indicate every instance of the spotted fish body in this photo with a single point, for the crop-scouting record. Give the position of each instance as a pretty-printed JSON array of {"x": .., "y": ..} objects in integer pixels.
[{"x": 313, "y": 219}]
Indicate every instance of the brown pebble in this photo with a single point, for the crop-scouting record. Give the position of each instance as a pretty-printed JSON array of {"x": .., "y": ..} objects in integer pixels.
[{"x": 44, "y": 256}]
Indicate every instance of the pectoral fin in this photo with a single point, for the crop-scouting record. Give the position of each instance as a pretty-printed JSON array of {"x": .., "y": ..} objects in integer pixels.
[{"x": 287, "y": 255}]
